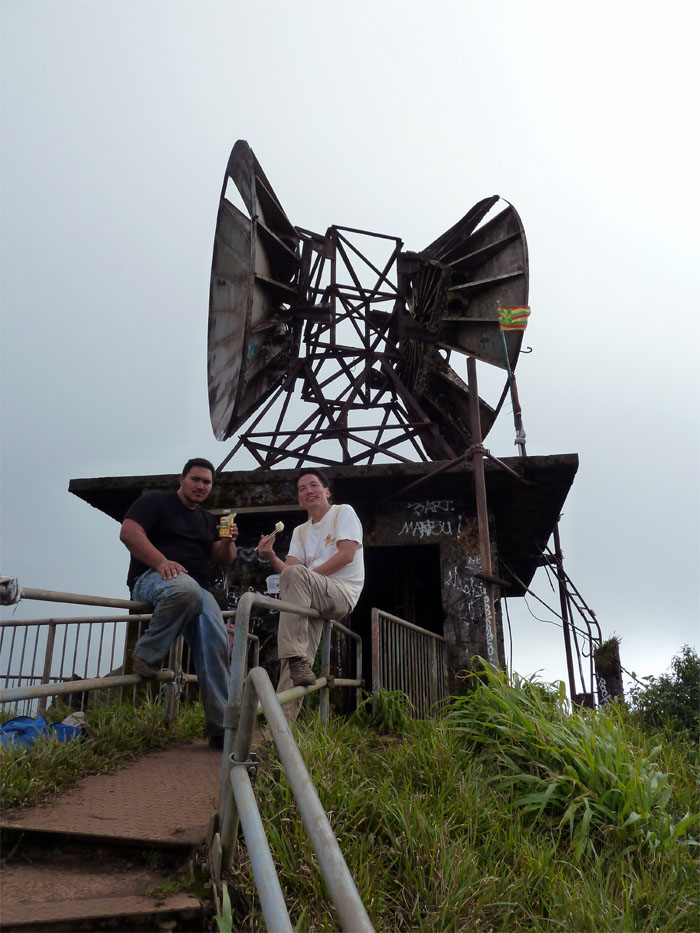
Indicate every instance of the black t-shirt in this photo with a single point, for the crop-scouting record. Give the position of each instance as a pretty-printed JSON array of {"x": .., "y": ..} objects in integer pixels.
[{"x": 181, "y": 534}]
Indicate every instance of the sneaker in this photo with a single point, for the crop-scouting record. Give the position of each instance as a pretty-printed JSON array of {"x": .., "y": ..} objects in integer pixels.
[
  {"x": 300, "y": 670},
  {"x": 143, "y": 668}
]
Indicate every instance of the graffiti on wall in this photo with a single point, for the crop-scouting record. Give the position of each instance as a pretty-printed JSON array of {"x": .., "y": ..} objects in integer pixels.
[
  {"x": 432, "y": 517},
  {"x": 474, "y": 595}
]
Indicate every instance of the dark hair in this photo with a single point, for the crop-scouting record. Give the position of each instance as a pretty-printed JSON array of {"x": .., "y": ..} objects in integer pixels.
[
  {"x": 198, "y": 462},
  {"x": 319, "y": 474}
]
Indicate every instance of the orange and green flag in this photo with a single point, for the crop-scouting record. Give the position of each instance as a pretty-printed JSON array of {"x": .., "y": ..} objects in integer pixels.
[{"x": 513, "y": 318}]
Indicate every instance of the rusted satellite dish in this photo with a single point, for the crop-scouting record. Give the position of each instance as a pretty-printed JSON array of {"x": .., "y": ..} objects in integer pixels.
[
  {"x": 418, "y": 308},
  {"x": 452, "y": 291},
  {"x": 254, "y": 268}
]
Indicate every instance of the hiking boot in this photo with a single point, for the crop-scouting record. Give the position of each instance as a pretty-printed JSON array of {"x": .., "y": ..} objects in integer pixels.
[
  {"x": 301, "y": 673},
  {"x": 143, "y": 668}
]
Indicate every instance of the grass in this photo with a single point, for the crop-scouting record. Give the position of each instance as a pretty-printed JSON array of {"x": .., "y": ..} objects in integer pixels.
[
  {"x": 509, "y": 813},
  {"x": 443, "y": 830},
  {"x": 579, "y": 768},
  {"x": 118, "y": 734}
]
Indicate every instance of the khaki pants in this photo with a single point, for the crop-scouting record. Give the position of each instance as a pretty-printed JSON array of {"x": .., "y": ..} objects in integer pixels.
[{"x": 298, "y": 636}]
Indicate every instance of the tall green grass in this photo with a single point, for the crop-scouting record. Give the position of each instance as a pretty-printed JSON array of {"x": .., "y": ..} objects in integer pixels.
[
  {"x": 441, "y": 834},
  {"x": 118, "y": 733},
  {"x": 579, "y": 767}
]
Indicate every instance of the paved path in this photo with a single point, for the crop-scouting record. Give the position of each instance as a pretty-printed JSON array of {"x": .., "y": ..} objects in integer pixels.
[{"x": 164, "y": 799}]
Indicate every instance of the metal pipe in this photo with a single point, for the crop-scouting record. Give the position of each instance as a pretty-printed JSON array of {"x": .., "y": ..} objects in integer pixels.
[
  {"x": 80, "y": 599},
  {"x": 563, "y": 602},
  {"x": 172, "y": 690},
  {"x": 344, "y": 629},
  {"x": 358, "y": 674},
  {"x": 76, "y": 686},
  {"x": 48, "y": 660},
  {"x": 325, "y": 672},
  {"x": 74, "y": 620},
  {"x": 376, "y": 653},
  {"x": 75, "y": 649},
  {"x": 239, "y": 655},
  {"x": 504, "y": 466},
  {"x": 482, "y": 511},
  {"x": 242, "y": 742},
  {"x": 433, "y": 473},
  {"x": 434, "y": 693},
  {"x": 341, "y": 887},
  {"x": 235, "y": 693},
  {"x": 405, "y": 624},
  {"x": 266, "y": 881}
]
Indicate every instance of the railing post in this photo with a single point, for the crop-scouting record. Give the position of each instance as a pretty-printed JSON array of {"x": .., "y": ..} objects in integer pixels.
[
  {"x": 433, "y": 675},
  {"x": 325, "y": 670},
  {"x": 48, "y": 661},
  {"x": 271, "y": 896},
  {"x": 232, "y": 714},
  {"x": 172, "y": 688},
  {"x": 358, "y": 672},
  {"x": 376, "y": 658},
  {"x": 242, "y": 742}
]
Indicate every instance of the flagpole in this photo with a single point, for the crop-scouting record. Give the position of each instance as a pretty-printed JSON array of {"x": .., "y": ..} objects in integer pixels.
[{"x": 517, "y": 411}]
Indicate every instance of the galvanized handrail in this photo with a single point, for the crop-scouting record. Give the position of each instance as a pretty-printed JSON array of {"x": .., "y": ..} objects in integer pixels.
[
  {"x": 227, "y": 821},
  {"x": 239, "y": 731},
  {"x": 408, "y": 658},
  {"x": 11, "y": 593},
  {"x": 341, "y": 887}
]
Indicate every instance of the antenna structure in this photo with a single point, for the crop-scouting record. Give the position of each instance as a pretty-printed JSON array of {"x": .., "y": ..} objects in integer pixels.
[{"x": 335, "y": 348}]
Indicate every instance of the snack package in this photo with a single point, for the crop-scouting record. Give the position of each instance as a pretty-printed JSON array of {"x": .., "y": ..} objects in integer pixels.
[{"x": 226, "y": 522}]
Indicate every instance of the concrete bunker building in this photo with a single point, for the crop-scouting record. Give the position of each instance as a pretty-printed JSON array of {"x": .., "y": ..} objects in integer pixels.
[{"x": 421, "y": 543}]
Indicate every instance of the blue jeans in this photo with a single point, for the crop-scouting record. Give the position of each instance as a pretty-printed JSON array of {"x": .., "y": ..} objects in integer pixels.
[{"x": 182, "y": 607}]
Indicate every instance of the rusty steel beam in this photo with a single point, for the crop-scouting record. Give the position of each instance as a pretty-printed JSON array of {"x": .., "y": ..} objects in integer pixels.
[{"x": 482, "y": 515}]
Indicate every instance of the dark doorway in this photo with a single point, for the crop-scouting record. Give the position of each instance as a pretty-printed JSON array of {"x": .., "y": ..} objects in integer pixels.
[{"x": 404, "y": 581}]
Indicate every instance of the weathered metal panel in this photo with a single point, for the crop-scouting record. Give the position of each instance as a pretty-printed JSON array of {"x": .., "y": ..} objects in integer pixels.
[{"x": 254, "y": 266}]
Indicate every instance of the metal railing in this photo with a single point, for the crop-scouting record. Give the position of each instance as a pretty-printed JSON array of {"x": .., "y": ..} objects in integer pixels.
[
  {"x": 339, "y": 882},
  {"x": 408, "y": 658},
  {"x": 52, "y": 657},
  {"x": 248, "y": 697}
]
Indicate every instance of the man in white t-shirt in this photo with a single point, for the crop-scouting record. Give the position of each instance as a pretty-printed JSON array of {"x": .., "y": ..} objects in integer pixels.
[{"x": 324, "y": 570}]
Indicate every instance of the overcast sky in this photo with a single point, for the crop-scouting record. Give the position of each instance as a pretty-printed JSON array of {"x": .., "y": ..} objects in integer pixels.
[{"x": 117, "y": 122}]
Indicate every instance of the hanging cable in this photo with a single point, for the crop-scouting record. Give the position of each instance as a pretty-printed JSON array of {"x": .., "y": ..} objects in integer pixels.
[
  {"x": 510, "y": 640},
  {"x": 540, "y": 600},
  {"x": 560, "y": 623}
]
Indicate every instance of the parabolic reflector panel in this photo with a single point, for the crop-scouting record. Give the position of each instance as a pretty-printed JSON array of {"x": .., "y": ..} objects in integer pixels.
[
  {"x": 488, "y": 269},
  {"x": 253, "y": 281}
]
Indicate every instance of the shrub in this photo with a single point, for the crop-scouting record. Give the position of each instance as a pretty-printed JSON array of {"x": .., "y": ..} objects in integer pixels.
[{"x": 672, "y": 700}]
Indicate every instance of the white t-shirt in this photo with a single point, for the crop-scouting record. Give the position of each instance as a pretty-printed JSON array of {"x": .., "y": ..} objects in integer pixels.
[{"x": 313, "y": 544}]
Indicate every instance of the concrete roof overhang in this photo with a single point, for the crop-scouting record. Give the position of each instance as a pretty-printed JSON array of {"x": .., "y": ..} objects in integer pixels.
[{"x": 525, "y": 508}]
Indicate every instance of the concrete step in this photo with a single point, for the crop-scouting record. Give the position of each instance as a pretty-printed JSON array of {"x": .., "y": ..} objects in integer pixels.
[{"x": 52, "y": 884}]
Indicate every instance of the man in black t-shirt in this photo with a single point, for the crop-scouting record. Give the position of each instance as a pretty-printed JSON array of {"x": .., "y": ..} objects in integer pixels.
[{"x": 173, "y": 543}]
